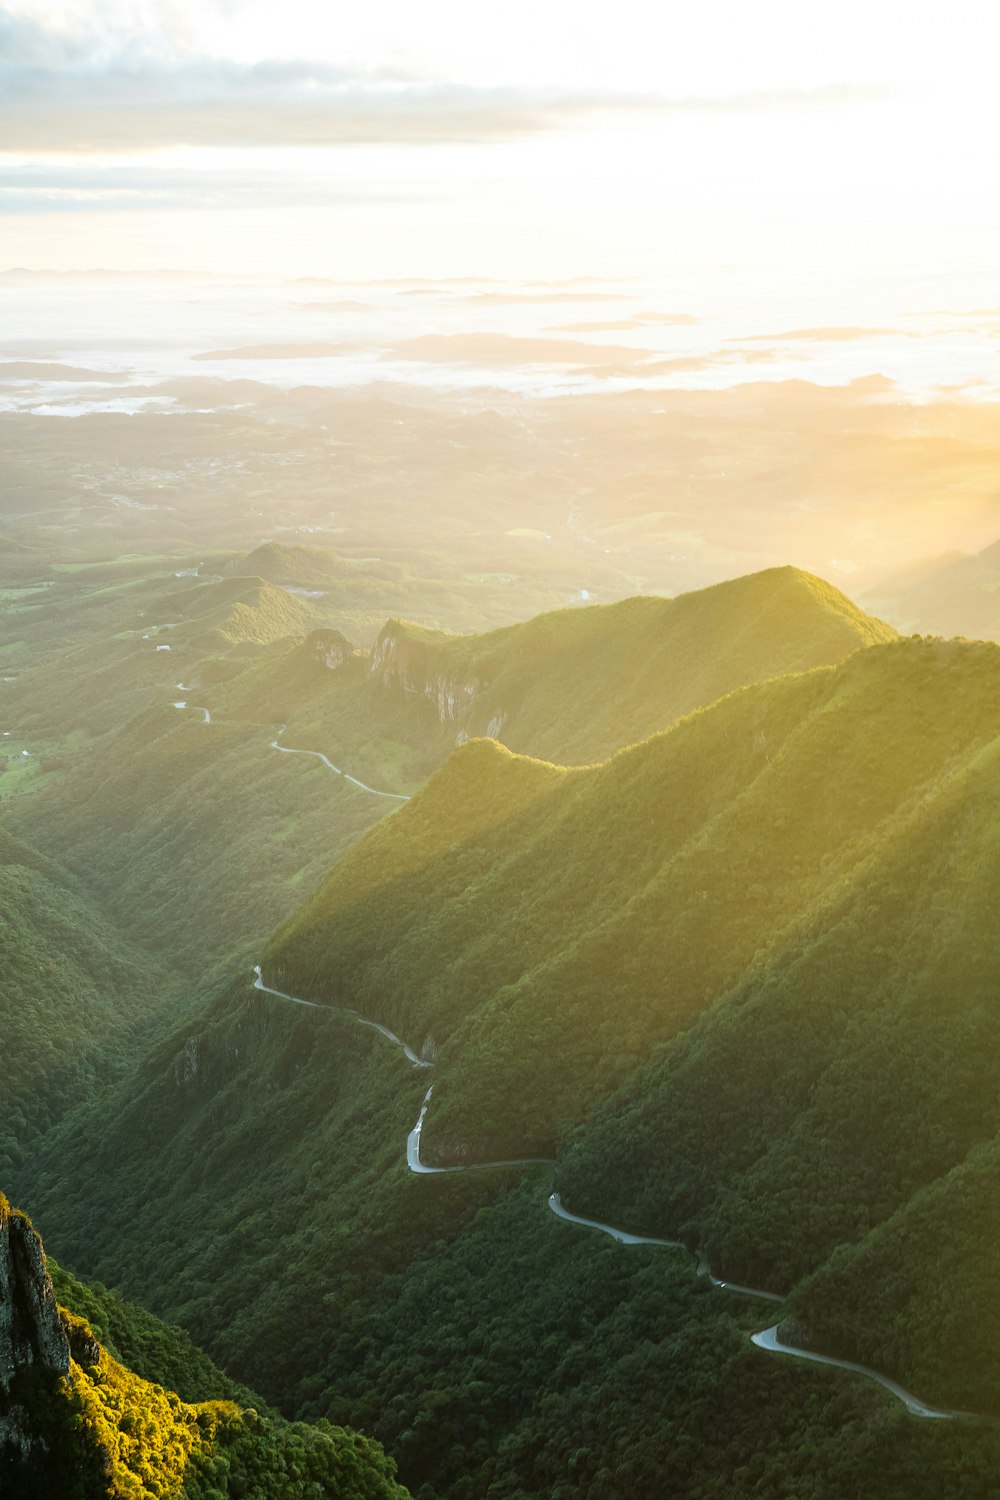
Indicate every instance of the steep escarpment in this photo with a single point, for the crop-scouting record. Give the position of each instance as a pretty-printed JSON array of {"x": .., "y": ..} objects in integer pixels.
[
  {"x": 739, "y": 979},
  {"x": 32, "y": 1338}
]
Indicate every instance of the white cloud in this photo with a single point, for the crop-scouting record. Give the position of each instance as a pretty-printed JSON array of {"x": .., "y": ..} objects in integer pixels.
[{"x": 74, "y": 91}]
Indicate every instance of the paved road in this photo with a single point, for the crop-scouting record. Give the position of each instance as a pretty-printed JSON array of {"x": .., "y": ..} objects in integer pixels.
[
  {"x": 288, "y": 750},
  {"x": 767, "y": 1339},
  {"x": 770, "y": 1341}
]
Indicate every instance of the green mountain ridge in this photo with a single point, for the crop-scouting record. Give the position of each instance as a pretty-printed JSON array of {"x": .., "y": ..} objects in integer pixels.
[
  {"x": 735, "y": 976},
  {"x": 576, "y": 685}
]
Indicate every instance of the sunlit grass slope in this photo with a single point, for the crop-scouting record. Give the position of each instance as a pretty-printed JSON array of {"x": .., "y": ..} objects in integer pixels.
[
  {"x": 572, "y": 686},
  {"x": 625, "y": 897}
]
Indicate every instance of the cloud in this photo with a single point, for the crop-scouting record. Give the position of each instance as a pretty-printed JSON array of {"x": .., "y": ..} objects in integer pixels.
[
  {"x": 78, "y": 93},
  {"x": 280, "y": 351},
  {"x": 495, "y": 349},
  {"x": 514, "y": 299},
  {"x": 834, "y": 335},
  {"x": 43, "y": 187},
  {"x": 620, "y": 325}
]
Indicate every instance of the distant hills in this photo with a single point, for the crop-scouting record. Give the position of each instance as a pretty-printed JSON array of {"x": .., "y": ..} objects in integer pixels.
[{"x": 956, "y": 594}]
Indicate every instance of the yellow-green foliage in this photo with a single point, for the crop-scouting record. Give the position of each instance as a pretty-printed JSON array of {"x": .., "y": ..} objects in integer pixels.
[
  {"x": 276, "y": 562},
  {"x": 145, "y": 1434},
  {"x": 576, "y": 685},
  {"x": 237, "y": 612}
]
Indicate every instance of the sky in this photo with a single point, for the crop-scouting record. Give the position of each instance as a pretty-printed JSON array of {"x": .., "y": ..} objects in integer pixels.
[{"x": 541, "y": 139}]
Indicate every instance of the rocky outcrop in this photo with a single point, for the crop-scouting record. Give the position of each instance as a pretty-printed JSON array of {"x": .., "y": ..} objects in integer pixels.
[
  {"x": 34, "y": 1349},
  {"x": 329, "y": 648},
  {"x": 401, "y": 660},
  {"x": 32, "y": 1336}
]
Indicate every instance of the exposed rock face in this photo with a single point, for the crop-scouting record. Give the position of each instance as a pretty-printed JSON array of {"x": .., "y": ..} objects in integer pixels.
[
  {"x": 329, "y": 648},
  {"x": 33, "y": 1343},
  {"x": 413, "y": 666},
  {"x": 399, "y": 661},
  {"x": 31, "y": 1332}
]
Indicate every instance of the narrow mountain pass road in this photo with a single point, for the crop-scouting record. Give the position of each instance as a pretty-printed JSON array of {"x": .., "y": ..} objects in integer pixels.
[
  {"x": 343, "y": 1010},
  {"x": 288, "y": 750},
  {"x": 767, "y": 1339},
  {"x": 416, "y": 1165}
]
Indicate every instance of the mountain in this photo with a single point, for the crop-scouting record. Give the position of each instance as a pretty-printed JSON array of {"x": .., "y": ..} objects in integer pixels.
[
  {"x": 75, "y": 1421},
  {"x": 151, "y": 804},
  {"x": 738, "y": 980},
  {"x": 282, "y": 563},
  {"x": 956, "y": 594},
  {"x": 571, "y": 686}
]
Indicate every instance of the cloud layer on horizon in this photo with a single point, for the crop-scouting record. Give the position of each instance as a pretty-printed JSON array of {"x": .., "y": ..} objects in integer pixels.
[{"x": 73, "y": 95}]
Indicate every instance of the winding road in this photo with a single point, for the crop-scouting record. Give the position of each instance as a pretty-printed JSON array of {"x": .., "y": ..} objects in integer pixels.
[
  {"x": 767, "y": 1339},
  {"x": 343, "y": 1010},
  {"x": 289, "y": 750}
]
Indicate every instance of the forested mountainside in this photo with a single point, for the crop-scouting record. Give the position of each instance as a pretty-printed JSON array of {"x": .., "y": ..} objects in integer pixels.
[
  {"x": 151, "y": 714},
  {"x": 737, "y": 980},
  {"x": 78, "y": 1423},
  {"x": 572, "y": 686},
  {"x": 79, "y": 998}
]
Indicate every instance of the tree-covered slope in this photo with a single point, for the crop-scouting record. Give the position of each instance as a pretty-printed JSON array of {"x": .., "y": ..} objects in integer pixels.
[
  {"x": 260, "y": 1194},
  {"x": 77, "y": 1423},
  {"x": 576, "y": 685},
  {"x": 78, "y": 999},
  {"x": 626, "y": 897},
  {"x": 738, "y": 978}
]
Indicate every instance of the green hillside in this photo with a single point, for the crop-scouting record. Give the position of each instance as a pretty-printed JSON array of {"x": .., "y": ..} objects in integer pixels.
[
  {"x": 77, "y": 1422},
  {"x": 650, "y": 881},
  {"x": 278, "y": 562},
  {"x": 161, "y": 812},
  {"x": 577, "y": 685},
  {"x": 572, "y": 686},
  {"x": 79, "y": 999},
  {"x": 738, "y": 979},
  {"x": 236, "y": 612}
]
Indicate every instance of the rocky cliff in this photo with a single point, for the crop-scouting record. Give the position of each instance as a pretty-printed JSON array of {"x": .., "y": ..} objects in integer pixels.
[
  {"x": 33, "y": 1346},
  {"x": 408, "y": 659}
]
